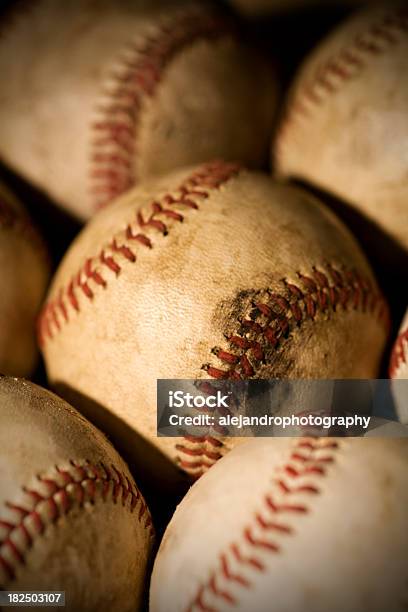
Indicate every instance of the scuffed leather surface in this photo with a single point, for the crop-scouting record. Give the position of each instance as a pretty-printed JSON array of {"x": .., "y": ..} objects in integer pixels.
[
  {"x": 347, "y": 133},
  {"x": 161, "y": 316},
  {"x": 215, "y": 98},
  {"x": 346, "y": 551},
  {"x": 96, "y": 551}
]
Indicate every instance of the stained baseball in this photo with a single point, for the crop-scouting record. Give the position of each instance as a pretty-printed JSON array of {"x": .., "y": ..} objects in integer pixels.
[
  {"x": 345, "y": 128},
  {"x": 399, "y": 371},
  {"x": 24, "y": 275},
  {"x": 210, "y": 272},
  {"x": 289, "y": 525},
  {"x": 71, "y": 516},
  {"x": 119, "y": 91}
]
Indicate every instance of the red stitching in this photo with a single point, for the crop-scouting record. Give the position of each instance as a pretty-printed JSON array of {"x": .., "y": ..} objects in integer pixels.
[
  {"x": 90, "y": 277},
  {"x": 271, "y": 320},
  {"x": 399, "y": 354},
  {"x": 268, "y": 323},
  {"x": 349, "y": 63},
  {"x": 193, "y": 452},
  {"x": 58, "y": 494},
  {"x": 115, "y": 132},
  {"x": 271, "y": 534},
  {"x": 199, "y": 455}
]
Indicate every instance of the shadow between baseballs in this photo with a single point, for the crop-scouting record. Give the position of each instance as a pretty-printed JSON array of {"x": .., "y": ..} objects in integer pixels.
[
  {"x": 388, "y": 259},
  {"x": 162, "y": 483}
]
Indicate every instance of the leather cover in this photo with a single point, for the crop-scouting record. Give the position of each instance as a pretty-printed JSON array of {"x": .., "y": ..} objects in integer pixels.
[
  {"x": 71, "y": 516},
  {"x": 209, "y": 272}
]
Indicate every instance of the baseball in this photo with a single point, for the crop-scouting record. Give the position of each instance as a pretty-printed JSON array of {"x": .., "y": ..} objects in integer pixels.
[
  {"x": 24, "y": 274},
  {"x": 210, "y": 272},
  {"x": 71, "y": 516},
  {"x": 120, "y": 91},
  {"x": 399, "y": 371},
  {"x": 345, "y": 128},
  {"x": 291, "y": 524}
]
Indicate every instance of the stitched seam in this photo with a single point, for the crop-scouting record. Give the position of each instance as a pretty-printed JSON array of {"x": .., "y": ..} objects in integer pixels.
[
  {"x": 114, "y": 132},
  {"x": 265, "y": 532},
  {"x": 54, "y": 497},
  {"x": 273, "y": 316},
  {"x": 269, "y": 323},
  {"x": 170, "y": 208},
  {"x": 197, "y": 454},
  {"x": 399, "y": 355},
  {"x": 349, "y": 63}
]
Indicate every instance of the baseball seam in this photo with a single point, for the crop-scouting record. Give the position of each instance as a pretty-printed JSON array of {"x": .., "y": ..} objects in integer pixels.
[
  {"x": 271, "y": 322},
  {"x": 265, "y": 533},
  {"x": 197, "y": 454},
  {"x": 171, "y": 207},
  {"x": 54, "y": 496},
  {"x": 268, "y": 322},
  {"x": 345, "y": 66},
  {"x": 399, "y": 355},
  {"x": 273, "y": 316},
  {"x": 114, "y": 132}
]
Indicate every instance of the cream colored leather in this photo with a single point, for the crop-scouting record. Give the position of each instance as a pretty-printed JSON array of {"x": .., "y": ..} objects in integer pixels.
[
  {"x": 210, "y": 271},
  {"x": 71, "y": 516},
  {"x": 345, "y": 128},
  {"x": 103, "y": 94},
  {"x": 288, "y": 525},
  {"x": 24, "y": 274}
]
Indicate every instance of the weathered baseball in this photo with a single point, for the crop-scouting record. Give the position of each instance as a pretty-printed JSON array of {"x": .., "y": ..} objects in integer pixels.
[
  {"x": 399, "y": 371},
  {"x": 24, "y": 273},
  {"x": 102, "y": 94},
  {"x": 210, "y": 272},
  {"x": 302, "y": 524},
  {"x": 346, "y": 123},
  {"x": 71, "y": 516}
]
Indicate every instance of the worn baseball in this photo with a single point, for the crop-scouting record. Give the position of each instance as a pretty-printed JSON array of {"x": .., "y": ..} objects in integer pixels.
[
  {"x": 101, "y": 95},
  {"x": 71, "y": 517},
  {"x": 24, "y": 274},
  {"x": 399, "y": 371},
  {"x": 311, "y": 524},
  {"x": 345, "y": 128},
  {"x": 210, "y": 272}
]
